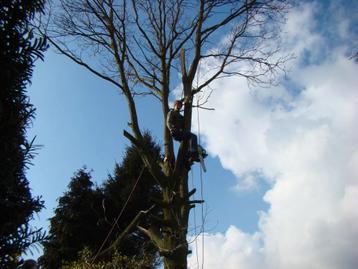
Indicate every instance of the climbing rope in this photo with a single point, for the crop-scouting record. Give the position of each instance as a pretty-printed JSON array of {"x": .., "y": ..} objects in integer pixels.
[
  {"x": 195, "y": 232},
  {"x": 201, "y": 193},
  {"x": 118, "y": 217},
  {"x": 202, "y": 227},
  {"x": 202, "y": 230}
]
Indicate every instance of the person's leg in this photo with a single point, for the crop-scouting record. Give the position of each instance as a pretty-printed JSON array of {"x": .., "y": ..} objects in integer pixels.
[
  {"x": 178, "y": 136},
  {"x": 192, "y": 139},
  {"x": 193, "y": 143}
]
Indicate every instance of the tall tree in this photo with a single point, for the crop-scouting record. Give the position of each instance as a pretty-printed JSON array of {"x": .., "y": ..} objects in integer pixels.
[
  {"x": 141, "y": 46},
  {"x": 18, "y": 52}
]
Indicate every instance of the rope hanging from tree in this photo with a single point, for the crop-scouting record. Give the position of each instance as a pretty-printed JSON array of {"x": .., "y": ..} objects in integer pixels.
[
  {"x": 202, "y": 226},
  {"x": 118, "y": 217},
  {"x": 201, "y": 194}
]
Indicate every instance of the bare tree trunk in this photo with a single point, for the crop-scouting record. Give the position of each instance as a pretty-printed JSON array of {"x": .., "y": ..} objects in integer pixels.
[{"x": 175, "y": 239}]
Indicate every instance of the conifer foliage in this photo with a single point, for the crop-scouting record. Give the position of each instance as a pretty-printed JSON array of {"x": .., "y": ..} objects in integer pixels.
[
  {"x": 86, "y": 214},
  {"x": 18, "y": 51},
  {"x": 117, "y": 189},
  {"x": 74, "y": 225}
]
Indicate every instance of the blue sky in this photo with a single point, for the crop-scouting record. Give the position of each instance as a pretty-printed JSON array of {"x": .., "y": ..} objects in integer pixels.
[{"x": 281, "y": 187}]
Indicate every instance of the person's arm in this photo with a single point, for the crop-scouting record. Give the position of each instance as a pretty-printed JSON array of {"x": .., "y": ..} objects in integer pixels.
[{"x": 170, "y": 121}]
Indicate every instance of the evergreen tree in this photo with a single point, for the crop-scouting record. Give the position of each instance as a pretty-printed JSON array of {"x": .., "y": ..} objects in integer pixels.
[
  {"x": 119, "y": 187},
  {"x": 18, "y": 52},
  {"x": 85, "y": 215},
  {"x": 75, "y": 224}
]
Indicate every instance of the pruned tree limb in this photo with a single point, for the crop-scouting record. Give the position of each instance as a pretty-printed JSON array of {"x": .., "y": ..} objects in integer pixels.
[{"x": 126, "y": 231}]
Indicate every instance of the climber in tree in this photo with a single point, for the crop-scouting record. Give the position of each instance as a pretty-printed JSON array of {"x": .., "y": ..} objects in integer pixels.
[{"x": 175, "y": 124}]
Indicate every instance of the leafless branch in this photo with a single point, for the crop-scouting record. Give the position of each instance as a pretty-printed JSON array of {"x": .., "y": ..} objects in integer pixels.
[{"x": 143, "y": 46}]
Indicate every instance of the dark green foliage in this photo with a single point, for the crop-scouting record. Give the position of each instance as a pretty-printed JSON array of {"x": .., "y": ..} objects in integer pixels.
[
  {"x": 18, "y": 51},
  {"x": 117, "y": 189},
  {"x": 85, "y": 215},
  {"x": 75, "y": 224}
]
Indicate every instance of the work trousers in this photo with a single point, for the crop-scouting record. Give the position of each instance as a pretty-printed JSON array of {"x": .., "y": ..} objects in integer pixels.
[{"x": 183, "y": 135}]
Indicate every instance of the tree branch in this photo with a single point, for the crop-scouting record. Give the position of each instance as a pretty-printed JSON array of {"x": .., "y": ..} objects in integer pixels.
[
  {"x": 125, "y": 232},
  {"x": 81, "y": 63}
]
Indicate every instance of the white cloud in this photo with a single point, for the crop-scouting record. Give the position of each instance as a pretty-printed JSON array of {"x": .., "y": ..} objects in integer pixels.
[
  {"x": 245, "y": 255},
  {"x": 298, "y": 32},
  {"x": 306, "y": 144}
]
